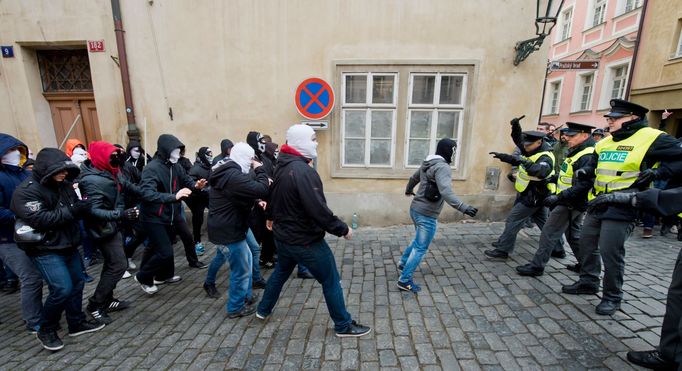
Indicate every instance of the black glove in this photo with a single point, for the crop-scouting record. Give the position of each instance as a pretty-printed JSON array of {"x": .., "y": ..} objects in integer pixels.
[
  {"x": 80, "y": 208},
  {"x": 551, "y": 200},
  {"x": 516, "y": 120},
  {"x": 131, "y": 214},
  {"x": 470, "y": 211},
  {"x": 583, "y": 174},
  {"x": 622, "y": 198},
  {"x": 511, "y": 177},
  {"x": 510, "y": 159},
  {"x": 645, "y": 178},
  {"x": 409, "y": 193}
]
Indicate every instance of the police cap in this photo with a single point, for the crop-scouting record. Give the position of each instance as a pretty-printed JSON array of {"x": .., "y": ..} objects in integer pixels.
[
  {"x": 598, "y": 132},
  {"x": 620, "y": 108},
  {"x": 531, "y": 136},
  {"x": 575, "y": 128}
]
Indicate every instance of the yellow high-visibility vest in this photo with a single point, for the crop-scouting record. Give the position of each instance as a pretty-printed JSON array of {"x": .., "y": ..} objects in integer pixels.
[
  {"x": 523, "y": 179},
  {"x": 565, "y": 180},
  {"x": 620, "y": 162}
]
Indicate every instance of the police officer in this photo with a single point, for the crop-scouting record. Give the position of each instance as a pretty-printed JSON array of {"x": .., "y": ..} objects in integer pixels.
[
  {"x": 535, "y": 167},
  {"x": 598, "y": 135},
  {"x": 570, "y": 202},
  {"x": 626, "y": 161}
]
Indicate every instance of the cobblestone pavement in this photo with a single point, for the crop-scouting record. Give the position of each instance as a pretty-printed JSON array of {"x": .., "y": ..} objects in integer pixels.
[{"x": 471, "y": 314}]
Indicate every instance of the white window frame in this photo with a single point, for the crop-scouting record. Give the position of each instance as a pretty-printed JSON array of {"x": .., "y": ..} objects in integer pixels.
[
  {"x": 678, "y": 53},
  {"x": 623, "y": 6},
  {"x": 548, "y": 98},
  {"x": 599, "y": 4},
  {"x": 607, "y": 82},
  {"x": 369, "y": 107},
  {"x": 577, "y": 105},
  {"x": 565, "y": 25},
  {"x": 434, "y": 109}
]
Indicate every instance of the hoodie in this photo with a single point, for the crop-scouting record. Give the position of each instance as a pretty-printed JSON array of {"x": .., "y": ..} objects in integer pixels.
[
  {"x": 434, "y": 169},
  {"x": 161, "y": 180},
  {"x": 10, "y": 178},
  {"x": 71, "y": 144},
  {"x": 46, "y": 205},
  {"x": 225, "y": 146}
]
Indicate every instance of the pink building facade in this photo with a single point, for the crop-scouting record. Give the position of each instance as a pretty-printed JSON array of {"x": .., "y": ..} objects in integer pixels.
[{"x": 601, "y": 31}]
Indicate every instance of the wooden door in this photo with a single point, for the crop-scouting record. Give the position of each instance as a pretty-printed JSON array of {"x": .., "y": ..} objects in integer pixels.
[{"x": 66, "y": 108}]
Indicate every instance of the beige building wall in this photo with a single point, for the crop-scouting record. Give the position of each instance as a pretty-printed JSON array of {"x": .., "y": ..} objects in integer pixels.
[
  {"x": 227, "y": 67},
  {"x": 657, "y": 81}
]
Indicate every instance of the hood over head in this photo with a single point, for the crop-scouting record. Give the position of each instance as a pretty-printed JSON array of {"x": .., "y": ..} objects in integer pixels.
[
  {"x": 446, "y": 148},
  {"x": 166, "y": 144},
  {"x": 100, "y": 156},
  {"x": 51, "y": 161},
  {"x": 256, "y": 141},
  {"x": 8, "y": 142},
  {"x": 225, "y": 145},
  {"x": 242, "y": 154},
  {"x": 204, "y": 157},
  {"x": 300, "y": 138},
  {"x": 71, "y": 144},
  {"x": 271, "y": 148}
]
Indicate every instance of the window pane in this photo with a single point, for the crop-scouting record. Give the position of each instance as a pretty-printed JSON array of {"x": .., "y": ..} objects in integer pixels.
[
  {"x": 355, "y": 124},
  {"x": 380, "y": 152},
  {"x": 451, "y": 89},
  {"x": 422, "y": 89},
  {"x": 382, "y": 89},
  {"x": 354, "y": 151},
  {"x": 382, "y": 122},
  {"x": 417, "y": 151},
  {"x": 420, "y": 124},
  {"x": 356, "y": 89},
  {"x": 447, "y": 123}
]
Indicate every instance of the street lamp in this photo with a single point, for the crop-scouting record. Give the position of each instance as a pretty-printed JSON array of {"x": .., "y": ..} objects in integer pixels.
[{"x": 545, "y": 19}]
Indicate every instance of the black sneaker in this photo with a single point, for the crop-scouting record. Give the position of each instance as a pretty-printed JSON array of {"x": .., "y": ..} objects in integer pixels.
[
  {"x": 198, "y": 265},
  {"x": 246, "y": 310},
  {"x": 496, "y": 254},
  {"x": 580, "y": 288},
  {"x": 574, "y": 267},
  {"x": 607, "y": 307},
  {"x": 651, "y": 359},
  {"x": 211, "y": 291},
  {"x": 559, "y": 254},
  {"x": 409, "y": 286},
  {"x": 117, "y": 305},
  {"x": 354, "y": 330},
  {"x": 85, "y": 327},
  {"x": 50, "y": 340},
  {"x": 260, "y": 284},
  {"x": 529, "y": 270},
  {"x": 99, "y": 315}
]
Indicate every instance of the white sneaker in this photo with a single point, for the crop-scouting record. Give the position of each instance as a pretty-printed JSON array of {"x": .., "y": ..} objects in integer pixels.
[
  {"x": 131, "y": 264},
  {"x": 127, "y": 274},
  {"x": 173, "y": 279},
  {"x": 151, "y": 290},
  {"x": 673, "y": 229}
]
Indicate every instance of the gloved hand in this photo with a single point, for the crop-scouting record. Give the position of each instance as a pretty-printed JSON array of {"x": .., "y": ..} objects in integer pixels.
[
  {"x": 583, "y": 174},
  {"x": 645, "y": 178},
  {"x": 622, "y": 198},
  {"x": 551, "y": 200},
  {"x": 131, "y": 214},
  {"x": 511, "y": 177},
  {"x": 80, "y": 208},
  {"x": 470, "y": 211},
  {"x": 409, "y": 193},
  {"x": 517, "y": 120},
  {"x": 510, "y": 159}
]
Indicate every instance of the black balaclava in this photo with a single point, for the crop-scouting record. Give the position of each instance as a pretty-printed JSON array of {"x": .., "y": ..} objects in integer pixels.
[
  {"x": 446, "y": 149},
  {"x": 255, "y": 140},
  {"x": 202, "y": 155}
]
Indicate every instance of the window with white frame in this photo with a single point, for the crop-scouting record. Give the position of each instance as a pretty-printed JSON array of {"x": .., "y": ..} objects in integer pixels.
[
  {"x": 554, "y": 94},
  {"x": 679, "y": 45},
  {"x": 631, "y": 5},
  {"x": 586, "y": 82},
  {"x": 619, "y": 76},
  {"x": 566, "y": 20},
  {"x": 598, "y": 12},
  {"x": 435, "y": 105},
  {"x": 368, "y": 117}
]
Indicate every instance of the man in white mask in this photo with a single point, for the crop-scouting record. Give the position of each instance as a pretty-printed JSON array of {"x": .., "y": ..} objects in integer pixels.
[
  {"x": 299, "y": 218},
  {"x": 79, "y": 156}
]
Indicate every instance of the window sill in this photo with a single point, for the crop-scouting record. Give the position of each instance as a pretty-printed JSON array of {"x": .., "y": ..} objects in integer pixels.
[
  {"x": 588, "y": 30},
  {"x": 551, "y": 114},
  {"x": 382, "y": 173},
  {"x": 562, "y": 41},
  {"x": 674, "y": 59},
  {"x": 625, "y": 14},
  {"x": 583, "y": 112}
]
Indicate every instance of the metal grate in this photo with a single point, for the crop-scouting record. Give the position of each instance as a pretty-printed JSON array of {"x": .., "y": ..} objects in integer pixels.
[{"x": 64, "y": 70}]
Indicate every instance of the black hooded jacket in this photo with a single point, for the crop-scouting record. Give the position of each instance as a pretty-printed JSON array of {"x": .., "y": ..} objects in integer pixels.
[
  {"x": 297, "y": 204},
  {"x": 45, "y": 204},
  {"x": 231, "y": 198},
  {"x": 225, "y": 145},
  {"x": 576, "y": 196},
  {"x": 201, "y": 170},
  {"x": 536, "y": 191},
  {"x": 161, "y": 180},
  {"x": 10, "y": 178},
  {"x": 140, "y": 163}
]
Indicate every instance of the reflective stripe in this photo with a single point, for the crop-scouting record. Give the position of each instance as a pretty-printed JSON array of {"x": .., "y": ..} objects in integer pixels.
[
  {"x": 565, "y": 180},
  {"x": 523, "y": 178},
  {"x": 623, "y": 174}
]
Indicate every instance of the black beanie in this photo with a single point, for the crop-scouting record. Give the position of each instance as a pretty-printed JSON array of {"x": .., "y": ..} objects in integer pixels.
[{"x": 446, "y": 149}]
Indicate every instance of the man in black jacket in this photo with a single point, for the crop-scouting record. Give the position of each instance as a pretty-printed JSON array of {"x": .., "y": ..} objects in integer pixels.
[
  {"x": 300, "y": 217},
  {"x": 225, "y": 148},
  {"x": 198, "y": 201},
  {"x": 46, "y": 202},
  {"x": 164, "y": 185},
  {"x": 570, "y": 203},
  {"x": 231, "y": 197}
]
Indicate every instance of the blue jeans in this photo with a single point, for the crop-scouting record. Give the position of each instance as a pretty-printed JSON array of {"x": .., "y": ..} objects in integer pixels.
[
  {"x": 64, "y": 278},
  {"x": 241, "y": 263},
  {"x": 220, "y": 258},
  {"x": 319, "y": 259},
  {"x": 30, "y": 279},
  {"x": 413, "y": 255}
]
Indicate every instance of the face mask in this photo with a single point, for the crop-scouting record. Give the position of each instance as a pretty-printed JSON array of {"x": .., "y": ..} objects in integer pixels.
[
  {"x": 135, "y": 153},
  {"x": 242, "y": 154},
  {"x": 12, "y": 158},
  {"x": 209, "y": 158},
  {"x": 300, "y": 137},
  {"x": 79, "y": 155},
  {"x": 116, "y": 159},
  {"x": 174, "y": 156}
]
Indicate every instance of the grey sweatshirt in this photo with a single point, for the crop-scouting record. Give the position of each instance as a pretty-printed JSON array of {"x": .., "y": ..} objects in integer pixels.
[{"x": 438, "y": 171}]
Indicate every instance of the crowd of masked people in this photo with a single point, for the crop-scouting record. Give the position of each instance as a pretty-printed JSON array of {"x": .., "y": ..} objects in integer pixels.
[{"x": 66, "y": 209}]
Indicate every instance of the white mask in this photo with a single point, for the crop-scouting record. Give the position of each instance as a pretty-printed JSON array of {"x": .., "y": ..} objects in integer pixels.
[
  {"x": 174, "y": 156},
  {"x": 79, "y": 155},
  {"x": 242, "y": 154},
  {"x": 300, "y": 137},
  {"x": 12, "y": 158},
  {"x": 135, "y": 153}
]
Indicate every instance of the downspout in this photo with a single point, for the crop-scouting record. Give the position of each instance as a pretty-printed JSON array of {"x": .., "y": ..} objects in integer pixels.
[
  {"x": 544, "y": 90},
  {"x": 636, "y": 52},
  {"x": 133, "y": 132}
]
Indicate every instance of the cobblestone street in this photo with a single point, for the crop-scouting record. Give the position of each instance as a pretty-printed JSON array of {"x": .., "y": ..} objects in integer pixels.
[{"x": 471, "y": 314}]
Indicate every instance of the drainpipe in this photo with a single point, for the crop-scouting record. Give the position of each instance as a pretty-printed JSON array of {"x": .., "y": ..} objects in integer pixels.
[
  {"x": 636, "y": 52},
  {"x": 544, "y": 88},
  {"x": 133, "y": 132}
]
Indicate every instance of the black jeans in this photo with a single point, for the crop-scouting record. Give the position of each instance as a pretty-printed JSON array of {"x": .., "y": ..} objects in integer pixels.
[
  {"x": 157, "y": 260},
  {"x": 197, "y": 205},
  {"x": 115, "y": 264},
  {"x": 671, "y": 332}
]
